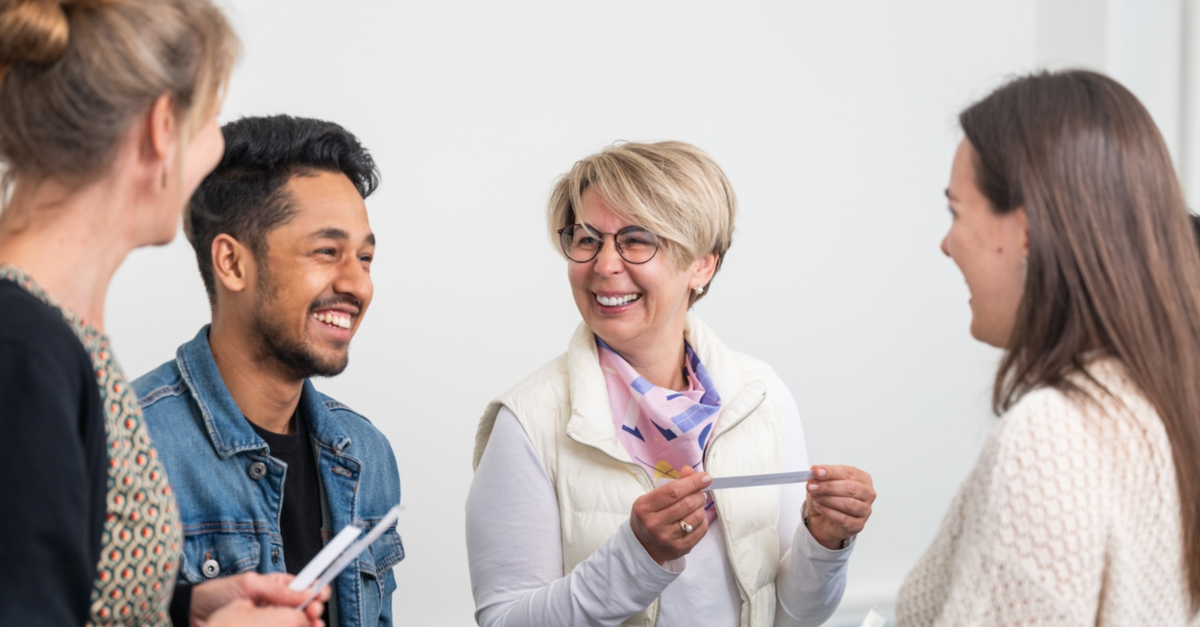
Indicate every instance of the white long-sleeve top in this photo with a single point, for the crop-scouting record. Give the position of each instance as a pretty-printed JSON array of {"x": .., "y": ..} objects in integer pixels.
[{"x": 515, "y": 553}]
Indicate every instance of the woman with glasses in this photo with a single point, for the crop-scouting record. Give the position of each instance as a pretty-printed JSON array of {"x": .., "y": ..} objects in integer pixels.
[{"x": 588, "y": 505}]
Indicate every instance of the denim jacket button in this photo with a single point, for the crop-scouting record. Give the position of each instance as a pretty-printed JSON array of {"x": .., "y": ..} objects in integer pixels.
[
  {"x": 210, "y": 568},
  {"x": 258, "y": 470}
]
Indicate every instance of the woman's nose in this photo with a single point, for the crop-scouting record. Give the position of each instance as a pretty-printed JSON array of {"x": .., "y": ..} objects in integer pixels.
[{"x": 608, "y": 260}]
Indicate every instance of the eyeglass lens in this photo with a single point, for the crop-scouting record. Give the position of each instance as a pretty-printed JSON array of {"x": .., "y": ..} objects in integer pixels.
[{"x": 582, "y": 243}]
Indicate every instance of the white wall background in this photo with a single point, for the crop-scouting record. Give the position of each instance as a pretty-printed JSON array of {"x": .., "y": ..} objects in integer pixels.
[{"x": 835, "y": 122}]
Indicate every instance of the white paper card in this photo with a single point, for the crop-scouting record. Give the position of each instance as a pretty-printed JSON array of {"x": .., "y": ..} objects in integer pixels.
[
  {"x": 874, "y": 619},
  {"x": 323, "y": 559},
  {"x": 347, "y": 557},
  {"x": 750, "y": 481}
]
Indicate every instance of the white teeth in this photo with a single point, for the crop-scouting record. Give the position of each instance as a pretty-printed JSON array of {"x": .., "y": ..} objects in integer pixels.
[
  {"x": 334, "y": 319},
  {"x": 616, "y": 301}
]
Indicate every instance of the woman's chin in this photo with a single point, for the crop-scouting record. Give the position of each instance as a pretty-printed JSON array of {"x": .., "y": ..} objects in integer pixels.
[
  {"x": 982, "y": 334},
  {"x": 612, "y": 332},
  {"x": 159, "y": 239}
]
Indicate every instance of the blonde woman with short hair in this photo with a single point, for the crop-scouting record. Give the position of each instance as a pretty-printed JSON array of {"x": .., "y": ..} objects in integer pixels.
[
  {"x": 588, "y": 504},
  {"x": 107, "y": 124}
]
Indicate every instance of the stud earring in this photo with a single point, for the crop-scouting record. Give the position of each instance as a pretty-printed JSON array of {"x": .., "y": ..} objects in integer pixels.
[{"x": 699, "y": 289}]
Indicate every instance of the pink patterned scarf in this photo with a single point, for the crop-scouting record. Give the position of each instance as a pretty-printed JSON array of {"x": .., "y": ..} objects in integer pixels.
[{"x": 662, "y": 430}]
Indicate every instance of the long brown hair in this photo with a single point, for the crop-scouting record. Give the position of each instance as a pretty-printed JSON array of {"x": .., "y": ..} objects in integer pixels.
[{"x": 1113, "y": 265}]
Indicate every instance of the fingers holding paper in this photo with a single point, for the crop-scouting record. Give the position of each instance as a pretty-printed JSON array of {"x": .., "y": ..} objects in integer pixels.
[
  {"x": 670, "y": 519},
  {"x": 248, "y": 599},
  {"x": 839, "y": 503},
  {"x": 243, "y": 613},
  {"x": 274, "y": 589}
]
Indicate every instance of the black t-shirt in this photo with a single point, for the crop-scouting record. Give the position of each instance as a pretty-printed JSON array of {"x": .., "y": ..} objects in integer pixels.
[
  {"x": 53, "y": 466},
  {"x": 300, "y": 515}
]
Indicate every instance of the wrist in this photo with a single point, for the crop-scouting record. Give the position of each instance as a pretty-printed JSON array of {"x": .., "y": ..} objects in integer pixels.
[{"x": 833, "y": 544}]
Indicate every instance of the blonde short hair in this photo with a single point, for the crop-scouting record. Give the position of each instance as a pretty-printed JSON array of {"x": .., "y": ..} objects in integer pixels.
[
  {"x": 671, "y": 188},
  {"x": 74, "y": 74}
]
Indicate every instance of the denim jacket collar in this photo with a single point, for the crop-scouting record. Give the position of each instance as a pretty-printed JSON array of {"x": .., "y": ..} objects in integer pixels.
[{"x": 228, "y": 429}]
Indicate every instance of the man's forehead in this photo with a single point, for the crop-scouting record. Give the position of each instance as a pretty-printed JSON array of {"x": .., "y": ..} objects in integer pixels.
[
  {"x": 325, "y": 214},
  {"x": 326, "y": 200}
]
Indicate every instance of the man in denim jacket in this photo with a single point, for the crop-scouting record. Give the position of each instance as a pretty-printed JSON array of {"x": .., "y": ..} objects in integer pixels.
[{"x": 266, "y": 468}]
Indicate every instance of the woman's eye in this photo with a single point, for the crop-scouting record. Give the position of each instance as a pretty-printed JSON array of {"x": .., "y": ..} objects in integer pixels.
[
  {"x": 365, "y": 258},
  {"x": 326, "y": 251}
]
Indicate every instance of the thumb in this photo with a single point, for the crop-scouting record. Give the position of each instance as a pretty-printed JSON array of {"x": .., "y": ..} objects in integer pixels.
[{"x": 687, "y": 472}]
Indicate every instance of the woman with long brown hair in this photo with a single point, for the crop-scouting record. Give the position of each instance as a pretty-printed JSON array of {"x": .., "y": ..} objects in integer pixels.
[
  {"x": 107, "y": 124},
  {"x": 1070, "y": 229}
]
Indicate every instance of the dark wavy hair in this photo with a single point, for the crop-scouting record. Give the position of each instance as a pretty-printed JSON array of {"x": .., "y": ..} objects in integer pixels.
[
  {"x": 245, "y": 196},
  {"x": 1112, "y": 263}
]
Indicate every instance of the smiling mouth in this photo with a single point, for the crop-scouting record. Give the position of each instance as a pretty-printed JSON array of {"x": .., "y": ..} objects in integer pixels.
[
  {"x": 617, "y": 301},
  {"x": 336, "y": 319}
]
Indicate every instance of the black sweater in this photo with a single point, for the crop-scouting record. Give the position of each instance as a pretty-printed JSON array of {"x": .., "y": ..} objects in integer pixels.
[{"x": 53, "y": 475}]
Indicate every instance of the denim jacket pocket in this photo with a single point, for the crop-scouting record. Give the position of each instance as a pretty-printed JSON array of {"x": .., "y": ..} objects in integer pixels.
[
  {"x": 385, "y": 552},
  {"x": 218, "y": 554},
  {"x": 376, "y": 579}
]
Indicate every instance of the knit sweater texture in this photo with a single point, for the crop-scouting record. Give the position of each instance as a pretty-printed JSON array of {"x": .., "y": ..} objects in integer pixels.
[{"x": 1071, "y": 516}]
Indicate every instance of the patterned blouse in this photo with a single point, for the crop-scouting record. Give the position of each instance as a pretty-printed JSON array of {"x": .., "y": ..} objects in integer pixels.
[{"x": 142, "y": 537}]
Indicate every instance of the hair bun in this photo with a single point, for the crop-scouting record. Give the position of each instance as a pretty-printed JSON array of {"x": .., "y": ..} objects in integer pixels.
[{"x": 35, "y": 31}]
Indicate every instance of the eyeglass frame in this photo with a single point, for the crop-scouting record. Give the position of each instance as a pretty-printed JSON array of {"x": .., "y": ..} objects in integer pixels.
[{"x": 617, "y": 244}]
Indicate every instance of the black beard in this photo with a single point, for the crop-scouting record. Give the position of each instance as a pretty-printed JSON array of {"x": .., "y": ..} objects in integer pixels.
[{"x": 292, "y": 355}]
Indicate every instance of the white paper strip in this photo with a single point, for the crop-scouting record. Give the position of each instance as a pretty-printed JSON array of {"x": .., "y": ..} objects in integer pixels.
[
  {"x": 749, "y": 481},
  {"x": 354, "y": 551},
  {"x": 874, "y": 619},
  {"x": 322, "y": 560}
]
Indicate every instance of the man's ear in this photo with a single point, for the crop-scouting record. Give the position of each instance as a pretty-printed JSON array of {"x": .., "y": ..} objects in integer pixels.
[{"x": 232, "y": 263}]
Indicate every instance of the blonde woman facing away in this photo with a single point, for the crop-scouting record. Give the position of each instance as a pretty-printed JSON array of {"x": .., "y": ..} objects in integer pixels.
[
  {"x": 1070, "y": 229},
  {"x": 107, "y": 124},
  {"x": 569, "y": 518}
]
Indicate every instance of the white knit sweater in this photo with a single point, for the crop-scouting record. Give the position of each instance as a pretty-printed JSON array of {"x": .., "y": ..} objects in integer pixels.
[{"x": 1070, "y": 517}]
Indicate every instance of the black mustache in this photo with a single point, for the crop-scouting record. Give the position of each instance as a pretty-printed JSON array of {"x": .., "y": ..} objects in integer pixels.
[{"x": 333, "y": 302}]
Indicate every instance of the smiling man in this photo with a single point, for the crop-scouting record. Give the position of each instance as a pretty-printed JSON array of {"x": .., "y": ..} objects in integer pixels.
[{"x": 264, "y": 467}]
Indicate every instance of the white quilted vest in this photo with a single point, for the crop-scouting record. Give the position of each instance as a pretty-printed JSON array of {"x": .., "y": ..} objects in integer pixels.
[{"x": 565, "y": 411}]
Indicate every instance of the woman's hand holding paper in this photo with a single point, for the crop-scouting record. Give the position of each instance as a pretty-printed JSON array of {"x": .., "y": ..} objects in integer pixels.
[
  {"x": 657, "y": 516},
  {"x": 254, "y": 599},
  {"x": 839, "y": 504}
]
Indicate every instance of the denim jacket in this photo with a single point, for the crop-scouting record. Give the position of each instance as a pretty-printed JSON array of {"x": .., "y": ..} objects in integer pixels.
[{"x": 230, "y": 507}]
